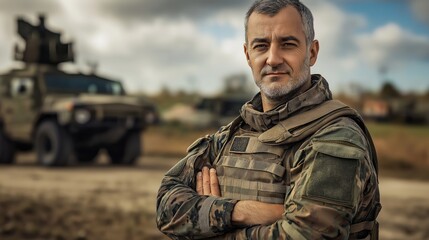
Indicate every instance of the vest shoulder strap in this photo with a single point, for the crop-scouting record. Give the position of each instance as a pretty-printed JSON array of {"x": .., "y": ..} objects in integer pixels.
[{"x": 299, "y": 126}]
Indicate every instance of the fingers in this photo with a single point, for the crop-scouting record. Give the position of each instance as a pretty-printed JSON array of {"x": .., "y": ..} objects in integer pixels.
[
  {"x": 200, "y": 183},
  {"x": 206, "y": 181},
  {"x": 214, "y": 183}
]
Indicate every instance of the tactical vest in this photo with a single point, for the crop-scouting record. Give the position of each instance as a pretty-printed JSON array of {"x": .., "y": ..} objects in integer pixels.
[{"x": 255, "y": 166}]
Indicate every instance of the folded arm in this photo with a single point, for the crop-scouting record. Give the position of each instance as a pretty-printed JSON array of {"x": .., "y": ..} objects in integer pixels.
[
  {"x": 321, "y": 204},
  {"x": 323, "y": 200},
  {"x": 246, "y": 212},
  {"x": 181, "y": 211}
]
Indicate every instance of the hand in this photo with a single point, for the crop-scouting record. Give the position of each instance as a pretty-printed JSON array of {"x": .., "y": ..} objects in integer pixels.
[
  {"x": 246, "y": 212},
  {"x": 207, "y": 182},
  {"x": 249, "y": 213}
]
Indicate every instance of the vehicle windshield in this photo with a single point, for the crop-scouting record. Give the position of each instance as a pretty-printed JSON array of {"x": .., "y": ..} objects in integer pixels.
[
  {"x": 224, "y": 107},
  {"x": 82, "y": 84}
]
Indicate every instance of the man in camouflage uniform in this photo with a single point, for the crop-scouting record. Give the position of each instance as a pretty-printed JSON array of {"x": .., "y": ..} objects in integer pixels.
[{"x": 294, "y": 165}]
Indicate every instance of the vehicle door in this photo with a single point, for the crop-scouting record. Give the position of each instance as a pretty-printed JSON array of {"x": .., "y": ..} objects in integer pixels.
[{"x": 19, "y": 108}]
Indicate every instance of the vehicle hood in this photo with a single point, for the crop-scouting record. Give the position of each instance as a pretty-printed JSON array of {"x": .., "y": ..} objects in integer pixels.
[{"x": 67, "y": 102}]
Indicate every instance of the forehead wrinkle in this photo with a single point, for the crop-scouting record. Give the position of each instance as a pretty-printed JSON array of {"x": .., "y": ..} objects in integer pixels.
[{"x": 277, "y": 32}]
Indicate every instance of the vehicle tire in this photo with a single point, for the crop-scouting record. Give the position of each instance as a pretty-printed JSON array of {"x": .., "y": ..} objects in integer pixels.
[
  {"x": 127, "y": 150},
  {"x": 54, "y": 146},
  {"x": 7, "y": 150},
  {"x": 86, "y": 155}
]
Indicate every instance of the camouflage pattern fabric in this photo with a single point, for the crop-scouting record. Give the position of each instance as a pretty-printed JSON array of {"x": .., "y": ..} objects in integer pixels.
[{"x": 333, "y": 187}]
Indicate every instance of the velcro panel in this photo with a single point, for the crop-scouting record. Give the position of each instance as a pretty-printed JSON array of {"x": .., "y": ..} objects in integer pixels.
[
  {"x": 332, "y": 179},
  {"x": 239, "y": 144}
]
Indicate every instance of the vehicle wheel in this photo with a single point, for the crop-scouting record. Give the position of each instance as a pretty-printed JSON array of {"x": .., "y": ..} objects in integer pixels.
[
  {"x": 86, "y": 155},
  {"x": 54, "y": 146},
  {"x": 127, "y": 150},
  {"x": 7, "y": 150}
]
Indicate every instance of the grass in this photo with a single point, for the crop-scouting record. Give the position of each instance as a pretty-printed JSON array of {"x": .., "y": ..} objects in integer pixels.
[
  {"x": 402, "y": 149},
  {"x": 386, "y": 130}
]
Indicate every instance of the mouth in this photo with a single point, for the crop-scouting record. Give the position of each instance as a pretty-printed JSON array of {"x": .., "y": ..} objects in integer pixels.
[{"x": 275, "y": 74}]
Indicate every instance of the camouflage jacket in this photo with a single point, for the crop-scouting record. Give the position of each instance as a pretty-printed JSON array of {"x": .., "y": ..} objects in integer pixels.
[{"x": 335, "y": 188}]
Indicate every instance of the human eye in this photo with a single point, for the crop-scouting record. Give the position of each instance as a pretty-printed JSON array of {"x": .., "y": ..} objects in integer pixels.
[
  {"x": 260, "y": 46},
  {"x": 289, "y": 44}
]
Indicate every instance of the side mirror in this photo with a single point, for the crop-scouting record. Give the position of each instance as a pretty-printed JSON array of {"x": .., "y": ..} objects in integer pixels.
[{"x": 22, "y": 89}]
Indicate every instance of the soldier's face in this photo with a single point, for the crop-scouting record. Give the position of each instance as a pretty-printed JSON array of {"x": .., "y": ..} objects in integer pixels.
[{"x": 277, "y": 52}]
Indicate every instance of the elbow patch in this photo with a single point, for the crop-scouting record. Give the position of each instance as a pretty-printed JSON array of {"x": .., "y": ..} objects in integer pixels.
[{"x": 333, "y": 174}]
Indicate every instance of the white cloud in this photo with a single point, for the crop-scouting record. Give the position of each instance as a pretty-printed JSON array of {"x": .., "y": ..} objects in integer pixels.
[
  {"x": 168, "y": 53},
  {"x": 150, "y": 44},
  {"x": 148, "y": 53},
  {"x": 349, "y": 54},
  {"x": 335, "y": 28},
  {"x": 336, "y": 31},
  {"x": 391, "y": 46}
]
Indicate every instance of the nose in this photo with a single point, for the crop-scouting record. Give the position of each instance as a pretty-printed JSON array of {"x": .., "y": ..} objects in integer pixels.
[{"x": 274, "y": 58}]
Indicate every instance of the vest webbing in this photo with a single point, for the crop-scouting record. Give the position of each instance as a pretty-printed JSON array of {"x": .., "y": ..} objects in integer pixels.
[
  {"x": 299, "y": 127},
  {"x": 302, "y": 125}
]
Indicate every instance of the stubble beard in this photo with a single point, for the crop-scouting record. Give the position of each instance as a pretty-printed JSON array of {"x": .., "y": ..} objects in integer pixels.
[{"x": 275, "y": 92}]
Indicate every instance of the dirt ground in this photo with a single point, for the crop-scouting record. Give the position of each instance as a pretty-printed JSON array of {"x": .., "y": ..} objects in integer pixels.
[
  {"x": 80, "y": 202},
  {"x": 103, "y": 202}
]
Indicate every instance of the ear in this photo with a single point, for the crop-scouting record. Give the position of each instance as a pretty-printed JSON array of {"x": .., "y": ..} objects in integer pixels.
[
  {"x": 314, "y": 51},
  {"x": 246, "y": 52}
]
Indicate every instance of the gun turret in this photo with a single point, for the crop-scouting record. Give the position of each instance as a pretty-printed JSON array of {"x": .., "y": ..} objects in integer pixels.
[{"x": 41, "y": 44}]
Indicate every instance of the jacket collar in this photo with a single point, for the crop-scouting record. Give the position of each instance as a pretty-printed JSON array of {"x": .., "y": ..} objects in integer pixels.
[{"x": 252, "y": 113}]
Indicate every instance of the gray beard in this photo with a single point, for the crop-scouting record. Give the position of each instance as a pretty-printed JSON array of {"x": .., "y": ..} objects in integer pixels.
[{"x": 277, "y": 93}]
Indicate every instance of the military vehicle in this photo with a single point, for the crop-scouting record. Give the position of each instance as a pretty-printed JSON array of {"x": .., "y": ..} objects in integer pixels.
[
  {"x": 220, "y": 110},
  {"x": 207, "y": 112},
  {"x": 65, "y": 117}
]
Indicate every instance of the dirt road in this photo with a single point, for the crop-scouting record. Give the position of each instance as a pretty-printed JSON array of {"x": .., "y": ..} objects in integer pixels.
[{"x": 67, "y": 194}]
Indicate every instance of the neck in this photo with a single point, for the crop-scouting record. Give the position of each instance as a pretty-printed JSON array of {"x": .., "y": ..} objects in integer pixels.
[{"x": 269, "y": 103}]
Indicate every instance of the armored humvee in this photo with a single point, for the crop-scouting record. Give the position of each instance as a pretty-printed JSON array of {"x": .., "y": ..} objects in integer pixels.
[
  {"x": 220, "y": 110},
  {"x": 207, "y": 112},
  {"x": 65, "y": 117}
]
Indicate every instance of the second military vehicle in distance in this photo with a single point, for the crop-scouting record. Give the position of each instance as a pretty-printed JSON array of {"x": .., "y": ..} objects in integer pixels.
[{"x": 65, "y": 117}]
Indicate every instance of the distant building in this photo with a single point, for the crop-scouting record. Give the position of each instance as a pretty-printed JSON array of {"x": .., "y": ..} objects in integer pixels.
[
  {"x": 376, "y": 109},
  {"x": 405, "y": 110}
]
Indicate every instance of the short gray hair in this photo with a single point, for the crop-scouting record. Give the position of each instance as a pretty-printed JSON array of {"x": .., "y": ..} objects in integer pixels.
[{"x": 272, "y": 7}]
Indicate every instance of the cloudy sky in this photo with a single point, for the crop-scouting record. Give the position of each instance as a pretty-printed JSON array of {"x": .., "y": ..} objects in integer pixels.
[{"x": 193, "y": 44}]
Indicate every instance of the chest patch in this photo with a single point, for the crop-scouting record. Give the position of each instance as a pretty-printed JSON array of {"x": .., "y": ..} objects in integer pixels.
[{"x": 239, "y": 144}]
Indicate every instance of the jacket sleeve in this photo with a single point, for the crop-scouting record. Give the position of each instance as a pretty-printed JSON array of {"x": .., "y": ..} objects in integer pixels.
[
  {"x": 328, "y": 192},
  {"x": 181, "y": 212}
]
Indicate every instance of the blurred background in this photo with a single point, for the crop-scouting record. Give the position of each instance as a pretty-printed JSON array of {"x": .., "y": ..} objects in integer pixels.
[{"x": 186, "y": 59}]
